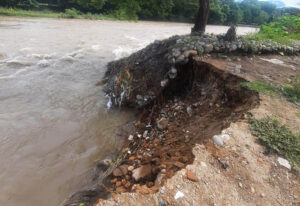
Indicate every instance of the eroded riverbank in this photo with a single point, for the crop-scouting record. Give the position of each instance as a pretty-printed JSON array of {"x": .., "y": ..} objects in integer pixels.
[{"x": 53, "y": 119}]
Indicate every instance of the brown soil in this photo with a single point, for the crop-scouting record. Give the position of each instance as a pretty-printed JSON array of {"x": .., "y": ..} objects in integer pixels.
[
  {"x": 214, "y": 98},
  {"x": 250, "y": 177},
  {"x": 208, "y": 100}
]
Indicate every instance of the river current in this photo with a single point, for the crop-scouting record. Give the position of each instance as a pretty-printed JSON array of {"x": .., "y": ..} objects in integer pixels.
[{"x": 54, "y": 124}]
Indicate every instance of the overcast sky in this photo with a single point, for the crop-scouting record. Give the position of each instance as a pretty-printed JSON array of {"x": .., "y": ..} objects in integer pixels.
[
  {"x": 294, "y": 3},
  {"x": 288, "y": 3}
]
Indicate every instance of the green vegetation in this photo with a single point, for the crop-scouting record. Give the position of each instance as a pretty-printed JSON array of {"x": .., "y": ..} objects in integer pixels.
[
  {"x": 291, "y": 92},
  {"x": 262, "y": 87},
  {"x": 276, "y": 138},
  {"x": 69, "y": 13},
  {"x": 221, "y": 11},
  {"x": 283, "y": 30},
  {"x": 28, "y": 13}
]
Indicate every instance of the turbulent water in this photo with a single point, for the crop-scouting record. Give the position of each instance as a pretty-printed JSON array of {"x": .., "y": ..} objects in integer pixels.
[{"x": 54, "y": 123}]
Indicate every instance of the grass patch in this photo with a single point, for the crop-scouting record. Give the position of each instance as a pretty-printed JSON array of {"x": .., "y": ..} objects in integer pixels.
[
  {"x": 262, "y": 87},
  {"x": 277, "y": 138},
  {"x": 298, "y": 113},
  {"x": 28, "y": 13},
  {"x": 69, "y": 13},
  {"x": 292, "y": 91},
  {"x": 284, "y": 30}
]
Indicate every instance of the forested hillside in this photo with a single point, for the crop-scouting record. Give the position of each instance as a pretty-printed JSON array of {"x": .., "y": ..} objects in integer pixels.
[{"x": 221, "y": 11}]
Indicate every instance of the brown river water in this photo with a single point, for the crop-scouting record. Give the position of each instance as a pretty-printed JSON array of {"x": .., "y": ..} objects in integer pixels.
[{"x": 54, "y": 122}]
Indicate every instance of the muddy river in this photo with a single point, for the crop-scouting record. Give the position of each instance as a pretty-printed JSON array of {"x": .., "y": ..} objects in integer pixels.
[{"x": 54, "y": 123}]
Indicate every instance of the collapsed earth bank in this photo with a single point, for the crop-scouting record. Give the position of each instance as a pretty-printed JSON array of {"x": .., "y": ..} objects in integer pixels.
[{"x": 181, "y": 101}]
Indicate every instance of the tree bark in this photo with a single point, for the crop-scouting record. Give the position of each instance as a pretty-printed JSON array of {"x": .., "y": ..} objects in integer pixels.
[{"x": 202, "y": 17}]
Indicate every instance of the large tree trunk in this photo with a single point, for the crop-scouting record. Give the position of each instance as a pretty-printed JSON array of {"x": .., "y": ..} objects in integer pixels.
[{"x": 202, "y": 16}]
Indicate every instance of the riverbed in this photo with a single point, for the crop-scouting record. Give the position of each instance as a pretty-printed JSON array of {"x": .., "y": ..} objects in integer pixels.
[{"x": 54, "y": 122}]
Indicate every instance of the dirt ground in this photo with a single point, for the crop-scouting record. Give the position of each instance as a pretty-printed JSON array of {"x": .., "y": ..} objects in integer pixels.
[{"x": 237, "y": 173}]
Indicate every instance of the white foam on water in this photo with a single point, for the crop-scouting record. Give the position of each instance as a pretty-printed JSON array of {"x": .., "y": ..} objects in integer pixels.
[
  {"x": 43, "y": 63},
  {"x": 67, "y": 58},
  {"x": 26, "y": 49},
  {"x": 96, "y": 47},
  {"x": 17, "y": 73},
  {"x": 17, "y": 61},
  {"x": 2, "y": 55},
  {"x": 123, "y": 51}
]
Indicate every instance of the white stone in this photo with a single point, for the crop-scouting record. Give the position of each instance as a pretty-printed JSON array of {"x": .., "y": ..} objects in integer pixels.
[
  {"x": 163, "y": 83},
  {"x": 285, "y": 163},
  {"x": 130, "y": 138},
  {"x": 220, "y": 139},
  {"x": 178, "y": 195}
]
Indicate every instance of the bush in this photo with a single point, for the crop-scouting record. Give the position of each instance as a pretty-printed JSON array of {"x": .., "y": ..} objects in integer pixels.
[
  {"x": 292, "y": 91},
  {"x": 71, "y": 13},
  {"x": 283, "y": 30}
]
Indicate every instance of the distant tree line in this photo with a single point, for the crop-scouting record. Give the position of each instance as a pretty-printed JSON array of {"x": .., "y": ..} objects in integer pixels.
[{"x": 221, "y": 11}]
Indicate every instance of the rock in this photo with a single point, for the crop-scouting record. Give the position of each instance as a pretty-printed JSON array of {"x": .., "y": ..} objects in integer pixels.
[
  {"x": 233, "y": 47},
  {"x": 132, "y": 158},
  {"x": 127, "y": 185},
  {"x": 118, "y": 184},
  {"x": 173, "y": 73},
  {"x": 285, "y": 163},
  {"x": 162, "y": 123},
  {"x": 130, "y": 138},
  {"x": 114, "y": 181},
  {"x": 176, "y": 53},
  {"x": 219, "y": 139},
  {"x": 240, "y": 185},
  {"x": 139, "y": 97},
  {"x": 159, "y": 179},
  {"x": 190, "y": 53},
  {"x": 179, "y": 164},
  {"x": 180, "y": 59},
  {"x": 224, "y": 164},
  {"x": 189, "y": 110},
  {"x": 191, "y": 176},
  {"x": 130, "y": 168},
  {"x": 141, "y": 172},
  {"x": 120, "y": 171},
  {"x": 178, "y": 195},
  {"x": 209, "y": 48},
  {"x": 145, "y": 134},
  {"x": 231, "y": 34},
  {"x": 161, "y": 203},
  {"x": 252, "y": 190},
  {"x": 262, "y": 195},
  {"x": 164, "y": 82}
]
